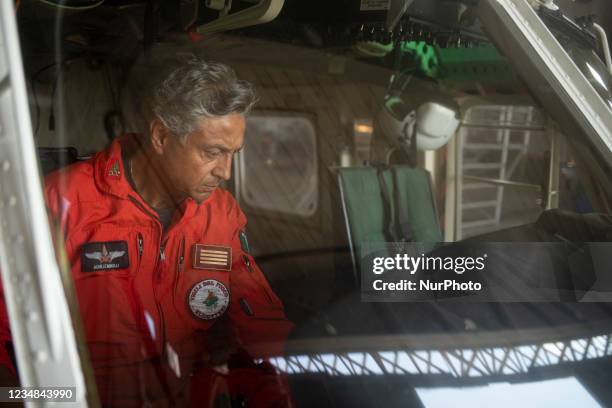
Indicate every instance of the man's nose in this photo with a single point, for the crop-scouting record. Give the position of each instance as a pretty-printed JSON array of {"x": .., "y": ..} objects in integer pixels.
[{"x": 223, "y": 169}]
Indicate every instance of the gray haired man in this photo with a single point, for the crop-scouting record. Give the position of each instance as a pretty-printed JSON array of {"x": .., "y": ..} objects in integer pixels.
[{"x": 172, "y": 302}]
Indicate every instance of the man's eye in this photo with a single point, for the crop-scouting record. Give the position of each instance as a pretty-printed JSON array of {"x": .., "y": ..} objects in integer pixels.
[{"x": 212, "y": 153}]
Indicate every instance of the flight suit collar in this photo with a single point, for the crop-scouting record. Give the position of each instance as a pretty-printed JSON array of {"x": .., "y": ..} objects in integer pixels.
[{"x": 110, "y": 173}]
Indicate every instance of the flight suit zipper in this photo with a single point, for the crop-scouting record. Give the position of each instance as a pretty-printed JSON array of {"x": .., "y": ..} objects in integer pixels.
[
  {"x": 180, "y": 264},
  {"x": 160, "y": 310},
  {"x": 156, "y": 274},
  {"x": 140, "y": 250},
  {"x": 162, "y": 258},
  {"x": 140, "y": 243}
]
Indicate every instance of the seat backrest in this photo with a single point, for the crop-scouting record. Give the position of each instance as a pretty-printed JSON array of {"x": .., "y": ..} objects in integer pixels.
[
  {"x": 414, "y": 196},
  {"x": 402, "y": 208},
  {"x": 363, "y": 204}
]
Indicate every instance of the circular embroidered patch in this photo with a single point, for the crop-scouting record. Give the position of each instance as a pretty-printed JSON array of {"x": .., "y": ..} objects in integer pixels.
[{"x": 208, "y": 299}]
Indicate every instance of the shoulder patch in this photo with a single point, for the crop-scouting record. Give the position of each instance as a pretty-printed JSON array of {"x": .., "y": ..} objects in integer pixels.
[
  {"x": 208, "y": 299},
  {"x": 101, "y": 256}
]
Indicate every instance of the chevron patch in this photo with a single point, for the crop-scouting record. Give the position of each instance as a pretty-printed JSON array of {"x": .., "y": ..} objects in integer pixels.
[{"x": 212, "y": 257}]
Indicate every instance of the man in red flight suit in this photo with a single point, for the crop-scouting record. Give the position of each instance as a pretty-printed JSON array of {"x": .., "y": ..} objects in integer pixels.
[{"x": 172, "y": 303}]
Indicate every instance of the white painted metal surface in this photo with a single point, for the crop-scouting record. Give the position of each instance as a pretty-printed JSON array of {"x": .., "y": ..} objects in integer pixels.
[
  {"x": 262, "y": 12},
  {"x": 41, "y": 326},
  {"x": 605, "y": 46},
  {"x": 493, "y": 173},
  {"x": 519, "y": 31}
]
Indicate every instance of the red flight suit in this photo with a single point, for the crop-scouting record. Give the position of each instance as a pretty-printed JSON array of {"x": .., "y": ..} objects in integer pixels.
[{"x": 160, "y": 308}]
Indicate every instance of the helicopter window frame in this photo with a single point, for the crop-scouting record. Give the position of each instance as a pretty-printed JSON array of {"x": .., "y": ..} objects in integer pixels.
[{"x": 247, "y": 176}]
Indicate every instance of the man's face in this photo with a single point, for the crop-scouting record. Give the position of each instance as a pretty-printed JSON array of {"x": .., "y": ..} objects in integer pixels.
[{"x": 194, "y": 169}]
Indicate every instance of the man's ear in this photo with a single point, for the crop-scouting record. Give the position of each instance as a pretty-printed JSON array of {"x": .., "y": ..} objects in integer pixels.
[{"x": 158, "y": 134}]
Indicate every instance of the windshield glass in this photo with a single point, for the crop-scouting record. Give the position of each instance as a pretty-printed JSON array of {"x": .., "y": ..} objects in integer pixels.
[{"x": 315, "y": 211}]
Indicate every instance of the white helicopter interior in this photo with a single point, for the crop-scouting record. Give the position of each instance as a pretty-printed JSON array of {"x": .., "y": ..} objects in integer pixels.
[{"x": 486, "y": 149}]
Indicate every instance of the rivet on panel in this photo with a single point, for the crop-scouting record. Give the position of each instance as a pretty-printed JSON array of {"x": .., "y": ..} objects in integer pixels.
[{"x": 41, "y": 356}]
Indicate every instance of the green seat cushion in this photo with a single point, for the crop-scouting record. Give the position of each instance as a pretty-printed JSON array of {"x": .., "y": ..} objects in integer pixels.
[{"x": 367, "y": 209}]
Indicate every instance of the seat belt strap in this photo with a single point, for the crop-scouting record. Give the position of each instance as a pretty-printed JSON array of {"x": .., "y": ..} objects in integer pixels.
[
  {"x": 402, "y": 215},
  {"x": 391, "y": 231}
]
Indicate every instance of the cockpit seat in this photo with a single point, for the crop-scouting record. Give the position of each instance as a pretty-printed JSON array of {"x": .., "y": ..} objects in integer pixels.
[{"x": 387, "y": 204}]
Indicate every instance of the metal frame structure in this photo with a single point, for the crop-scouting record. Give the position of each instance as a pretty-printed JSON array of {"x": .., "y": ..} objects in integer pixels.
[
  {"x": 457, "y": 363},
  {"x": 504, "y": 168},
  {"x": 241, "y": 170},
  {"x": 554, "y": 166},
  {"x": 347, "y": 223},
  {"x": 261, "y": 12},
  {"x": 41, "y": 325},
  {"x": 526, "y": 36},
  {"x": 523, "y": 34}
]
